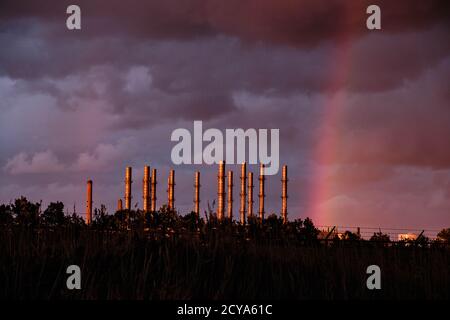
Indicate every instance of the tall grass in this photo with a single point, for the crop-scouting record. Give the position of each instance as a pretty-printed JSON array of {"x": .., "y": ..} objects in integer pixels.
[{"x": 216, "y": 264}]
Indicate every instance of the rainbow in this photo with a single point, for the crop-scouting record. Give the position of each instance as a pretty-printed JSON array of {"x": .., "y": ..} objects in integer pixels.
[{"x": 328, "y": 134}]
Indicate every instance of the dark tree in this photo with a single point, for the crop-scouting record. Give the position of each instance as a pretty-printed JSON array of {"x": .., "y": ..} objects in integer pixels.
[
  {"x": 303, "y": 230},
  {"x": 25, "y": 212},
  {"x": 309, "y": 230},
  {"x": 103, "y": 221},
  {"x": 167, "y": 217},
  {"x": 444, "y": 235},
  {"x": 6, "y": 215},
  {"x": 53, "y": 216},
  {"x": 191, "y": 222},
  {"x": 273, "y": 221},
  {"x": 75, "y": 220},
  {"x": 380, "y": 237},
  {"x": 348, "y": 235}
]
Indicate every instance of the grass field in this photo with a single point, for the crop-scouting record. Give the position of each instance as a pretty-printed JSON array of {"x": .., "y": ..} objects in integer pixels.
[{"x": 211, "y": 265}]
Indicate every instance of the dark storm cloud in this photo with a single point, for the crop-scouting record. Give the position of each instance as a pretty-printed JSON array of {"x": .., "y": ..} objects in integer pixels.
[
  {"x": 217, "y": 66},
  {"x": 406, "y": 126},
  {"x": 380, "y": 63},
  {"x": 285, "y": 21}
]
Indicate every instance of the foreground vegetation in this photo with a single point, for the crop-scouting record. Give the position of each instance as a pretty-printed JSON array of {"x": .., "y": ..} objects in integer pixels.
[{"x": 162, "y": 255}]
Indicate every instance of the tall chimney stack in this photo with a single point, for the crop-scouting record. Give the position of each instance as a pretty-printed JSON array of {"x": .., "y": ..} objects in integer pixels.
[
  {"x": 284, "y": 195},
  {"x": 243, "y": 192},
  {"x": 171, "y": 190},
  {"x": 89, "y": 202},
  {"x": 197, "y": 194},
  {"x": 153, "y": 200},
  {"x": 146, "y": 189},
  {"x": 221, "y": 190},
  {"x": 128, "y": 181},
  {"x": 261, "y": 192},
  {"x": 250, "y": 194},
  {"x": 230, "y": 196},
  {"x": 119, "y": 205}
]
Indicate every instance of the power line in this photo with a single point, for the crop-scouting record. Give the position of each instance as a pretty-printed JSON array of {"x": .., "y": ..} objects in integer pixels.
[{"x": 378, "y": 228}]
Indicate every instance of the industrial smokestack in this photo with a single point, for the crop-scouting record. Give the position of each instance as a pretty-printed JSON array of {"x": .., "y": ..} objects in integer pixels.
[
  {"x": 230, "y": 196},
  {"x": 250, "y": 194},
  {"x": 221, "y": 190},
  {"x": 284, "y": 195},
  {"x": 261, "y": 192},
  {"x": 146, "y": 189},
  {"x": 243, "y": 192},
  {"x": 119, "y": 205},
  {"x": 197, "y": 193},
  {"x": 153, "y": 204},
  {"x": 128, "y": 181},
  {"x": 171, "y": 190},
  {"x": 89, "y": 202}
]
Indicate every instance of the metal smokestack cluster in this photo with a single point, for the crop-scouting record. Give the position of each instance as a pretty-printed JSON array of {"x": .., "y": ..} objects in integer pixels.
[
  {"x": 171, "y": 190},
  {"x": 197, "y": 194},
  {"x": 250, "y": 194},
  {"x": 89, "y": 202},
  {"x": 153, "y": 199},
  {"x": 128, "y": 181},
  {"x": 221, "y": 190},
  {"x": 243, "y": 192},
  {"x": 230, "y": 196},
  {"x": 246, "y": 193},
  {"x": 261, "y": 192},
  {"x": 146, "y": 189},
  {"x": 284, "y": 195}
]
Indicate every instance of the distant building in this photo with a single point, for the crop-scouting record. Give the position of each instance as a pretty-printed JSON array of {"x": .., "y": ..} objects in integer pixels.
[{"x": 407, "y": 237}]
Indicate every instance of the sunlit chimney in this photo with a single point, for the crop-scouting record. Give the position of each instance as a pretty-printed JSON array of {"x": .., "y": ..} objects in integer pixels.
[
  {"x": 153, "y": 200},
  {"x": 230, "y": 196},
  {"x": 197, "y": 193},
  {"x": 221, "y": 190},
  {"x": 243, "y": 192},
  {"x": 128, "y": 181},
  {"x": 146, "y": 189},
  {"x": 284, "y": 195},
  {"x": 171, "y": 190},
  {"x": 250, "y": 194},
  {"x": 89, "y": 202},
  {"x": 261, "y": 192}
]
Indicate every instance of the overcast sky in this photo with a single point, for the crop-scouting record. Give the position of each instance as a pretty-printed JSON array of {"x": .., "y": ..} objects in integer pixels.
[{"x": 364, "y": 116}]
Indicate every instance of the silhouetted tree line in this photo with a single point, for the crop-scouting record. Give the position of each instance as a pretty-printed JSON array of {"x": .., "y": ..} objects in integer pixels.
[
  {"x": 168, "y": 223},
  {"x": 28, "y": 214}
]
